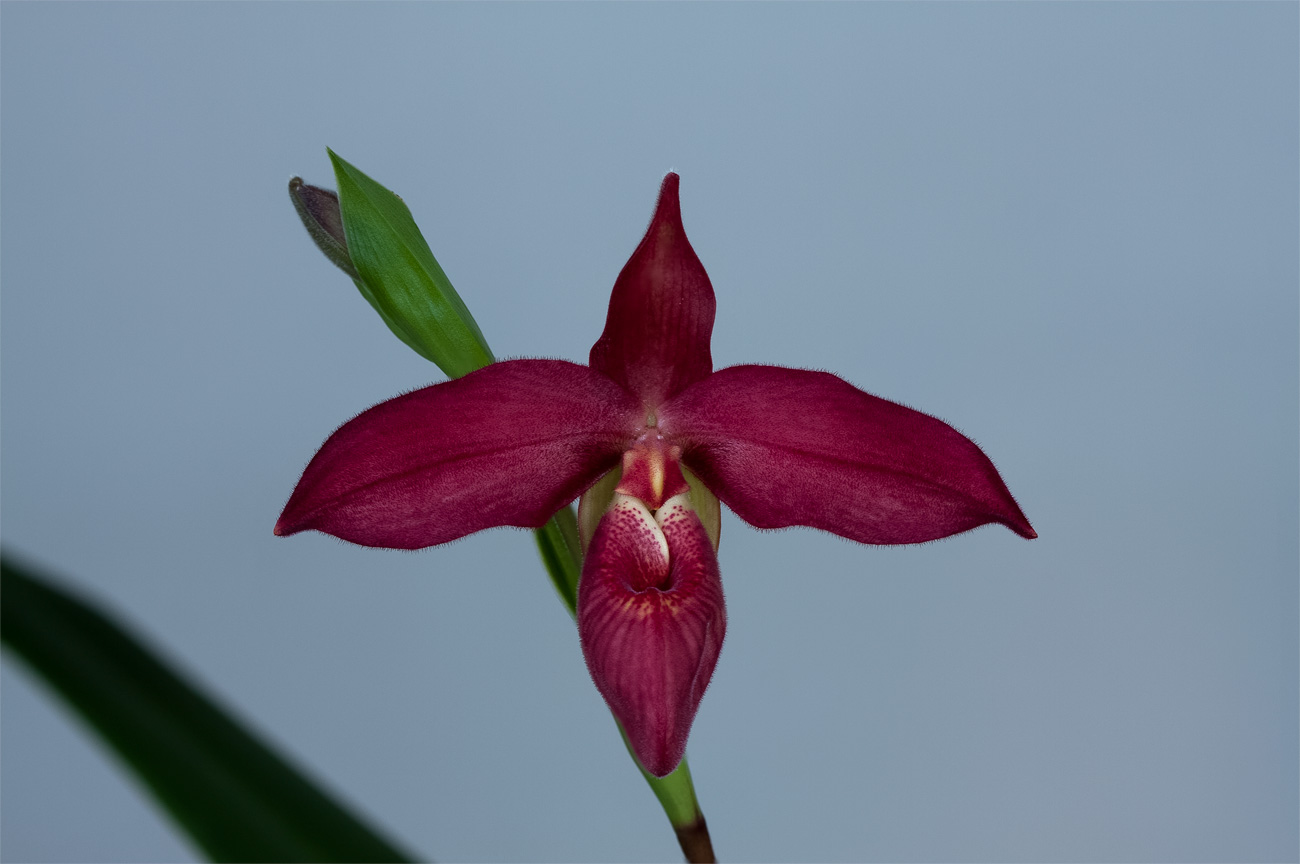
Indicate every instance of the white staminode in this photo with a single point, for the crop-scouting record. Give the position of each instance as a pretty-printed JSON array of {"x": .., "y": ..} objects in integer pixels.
[
  {"x": 653, "y": 521},
  {"x": 635, "y": 507}
]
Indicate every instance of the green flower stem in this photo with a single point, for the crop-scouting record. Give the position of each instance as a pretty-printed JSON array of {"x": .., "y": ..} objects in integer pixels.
[
  {"x": 676, "y": 793},
  {"x": 235, "y": 797}
]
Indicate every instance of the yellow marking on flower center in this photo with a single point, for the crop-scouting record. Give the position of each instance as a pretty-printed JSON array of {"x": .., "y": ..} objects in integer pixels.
[{"x": 657, "y": 473}]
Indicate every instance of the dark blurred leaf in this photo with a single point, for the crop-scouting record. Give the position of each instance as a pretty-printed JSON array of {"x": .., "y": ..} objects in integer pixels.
[{"x": 236, "y": 798}]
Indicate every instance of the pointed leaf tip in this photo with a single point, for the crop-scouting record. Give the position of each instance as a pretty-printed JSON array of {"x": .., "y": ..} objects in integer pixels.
[{"x": 400, "y": 277}]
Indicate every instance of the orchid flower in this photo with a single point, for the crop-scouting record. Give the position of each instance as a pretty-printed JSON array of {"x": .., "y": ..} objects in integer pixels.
[{"x": 651, "y": 438}]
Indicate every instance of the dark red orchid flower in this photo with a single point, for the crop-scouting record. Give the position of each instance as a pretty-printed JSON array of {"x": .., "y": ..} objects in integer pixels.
[{"x": 648, "y": 434}]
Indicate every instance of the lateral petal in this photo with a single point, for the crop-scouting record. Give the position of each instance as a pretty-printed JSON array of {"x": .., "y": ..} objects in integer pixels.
[
  {"x": 786, "y": 447},
  {"x": 509, "y": 444},
  {"x": 651, "y": 618},
  {"x": 656, "y": 338}
]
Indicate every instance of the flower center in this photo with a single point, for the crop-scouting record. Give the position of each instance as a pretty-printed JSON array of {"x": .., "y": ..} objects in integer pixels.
[{"x": 651, "y": 471}]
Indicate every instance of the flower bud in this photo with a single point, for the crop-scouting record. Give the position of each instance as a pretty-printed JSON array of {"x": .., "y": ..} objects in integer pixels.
[{"x": 319, "y": 211}]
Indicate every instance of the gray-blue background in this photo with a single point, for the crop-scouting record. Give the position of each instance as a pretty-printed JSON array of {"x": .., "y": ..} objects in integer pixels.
[{"x": 1070, "y": 230}]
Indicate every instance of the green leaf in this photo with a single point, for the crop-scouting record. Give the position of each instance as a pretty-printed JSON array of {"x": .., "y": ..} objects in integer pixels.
[
  {"x": 400, "y": 277},
  {"x": 557, "y": 542},
  {"x": 236, "y": 798}
]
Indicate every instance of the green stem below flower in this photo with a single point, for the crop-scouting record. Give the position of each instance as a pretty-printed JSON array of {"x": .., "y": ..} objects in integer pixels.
[{"x": 676, "y": 794}]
